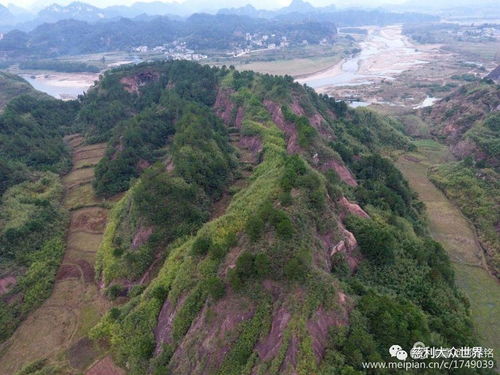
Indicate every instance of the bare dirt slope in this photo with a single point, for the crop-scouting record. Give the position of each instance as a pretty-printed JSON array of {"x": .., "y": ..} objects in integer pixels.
[{"x": 58, "y": 328}]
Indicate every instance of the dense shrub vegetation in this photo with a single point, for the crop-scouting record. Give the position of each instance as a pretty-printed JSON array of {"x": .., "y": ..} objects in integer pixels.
[
  {"x": 31, "y": 133},
  {"x": 402, "y": 291},
  {"x": 31, "y": 245},
  {"x": 277, "y": 219}
]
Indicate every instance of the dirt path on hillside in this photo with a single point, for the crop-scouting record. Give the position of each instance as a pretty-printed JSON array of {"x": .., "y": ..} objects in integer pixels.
[
  {"x": 57, "y": 330},
  {"x": 452, "y": 230}
]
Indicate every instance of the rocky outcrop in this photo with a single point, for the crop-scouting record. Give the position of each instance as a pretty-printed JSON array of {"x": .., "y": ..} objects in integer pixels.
[{"x": 132, "y": 84}]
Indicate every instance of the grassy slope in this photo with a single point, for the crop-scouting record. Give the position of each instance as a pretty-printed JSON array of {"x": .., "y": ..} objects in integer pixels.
[
  {"x": 185, "y": 279},
  {"x": 448, "y": 226}
]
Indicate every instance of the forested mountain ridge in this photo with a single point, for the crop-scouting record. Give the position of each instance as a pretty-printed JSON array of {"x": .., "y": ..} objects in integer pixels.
[
  {"x": 254, "y": 224},
  {"x": 260, "y": 230},
  {"x": 200, "y": 31}
]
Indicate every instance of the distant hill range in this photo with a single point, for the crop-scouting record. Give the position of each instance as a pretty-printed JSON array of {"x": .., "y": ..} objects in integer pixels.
[
  {"x": 198, "y": 32},
  {"x": 82, "y": 28},
  {"x": 14, "y": 17}
]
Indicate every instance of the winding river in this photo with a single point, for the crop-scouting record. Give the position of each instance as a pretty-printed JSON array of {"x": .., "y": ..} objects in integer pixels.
[{"x": 385, "y": 53}]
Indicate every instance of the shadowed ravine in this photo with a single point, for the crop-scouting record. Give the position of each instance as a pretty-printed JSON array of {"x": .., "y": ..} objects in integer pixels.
[
  {"x": 451, "y": 229},
  {"x": 57, "y": 330}
]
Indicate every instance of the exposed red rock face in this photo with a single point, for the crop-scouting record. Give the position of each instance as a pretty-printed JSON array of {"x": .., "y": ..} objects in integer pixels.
[
  {"x": 269, "y": 346},
  {"x": 342, "y": 171},
  {"x": 6, "y": 284},
  {"x": 352, "y": 208},
  {"x": 240, "y": 115},
  {"x": 316, "y": 120},
  {"x": 208, "y": 344},
  {"x": 346, "y": 246},
  {"x": 163, "y": 330},
  {"x": 319, "y": 325},
  {"x": 252, "y": 143},
  {"x": 287, "y": 127},
  {"x": 134, "y": 83},
  {"x": 224, "y": 106},
  {"x": 141, "y": 236},
  {"x": 458, "y": 112},
  {"x": 289, "y": 365}
]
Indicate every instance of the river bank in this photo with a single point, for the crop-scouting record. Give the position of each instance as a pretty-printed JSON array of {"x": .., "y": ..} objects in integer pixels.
[
  {"x": 64, "y": 86},
  {"x": 385, "y": 53}
]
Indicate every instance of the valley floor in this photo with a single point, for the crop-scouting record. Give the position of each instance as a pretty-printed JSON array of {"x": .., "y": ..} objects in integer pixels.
[
  {"x": 58, "y": 329},
  {"x": 452, "y": 230}
]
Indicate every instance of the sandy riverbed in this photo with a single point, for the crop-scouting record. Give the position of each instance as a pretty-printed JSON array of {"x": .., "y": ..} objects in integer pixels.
[
  {"x": 61, "y": 85},
  {"x": 385, "y": 53}
]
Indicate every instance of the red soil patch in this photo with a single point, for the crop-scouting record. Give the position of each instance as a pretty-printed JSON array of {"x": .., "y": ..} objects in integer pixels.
[
  {"x": 224, "y": 106},
  {"x": 82, "y": 354},
  {"x": 353, "y": 208},
  {"x": 344, "y": 173},
  {"x": 316, "y": 120},
  {"x": 240, "y": 115},
  {"x": 105, "y": 367},
  {"x": 68, "y": 271},
  {"x": 268, "y": 347},
  {"x": 251, "y": 143},
  {"x": 290, "y": 363},
  {"x": 163, "y": 329},
  {"x": 170, "y": 166},
  {"x": 74, "y": 271},
  {"x": 287, "y": 127},
  {"x": 141, "y": 236},
  {"x": 89, "y": 220},
  {"x": 253, "y": 147},
  {"x": 6, "y": 284},
  {"x": 319, "y": 325},
  {"x": 210, "y": 341},
  {"x": 87, "y": 269},
  {"x": 134, "y": 83}
]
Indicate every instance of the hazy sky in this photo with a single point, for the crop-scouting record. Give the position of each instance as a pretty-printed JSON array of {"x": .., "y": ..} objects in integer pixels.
[
  {"x": 261, "y": 4},
  {"x": 268, "y": 4}
]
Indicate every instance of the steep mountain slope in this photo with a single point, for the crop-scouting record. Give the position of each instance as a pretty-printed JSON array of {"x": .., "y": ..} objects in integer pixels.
[
  {"x": 242, "y": 250},
  {"x": 468, "y": 120},
  {"x": 258, "y": 230},
  {"x": 32, "y": 219}
]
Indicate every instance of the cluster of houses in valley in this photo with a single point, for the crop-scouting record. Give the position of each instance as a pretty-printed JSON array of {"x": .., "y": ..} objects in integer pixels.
[
  {"x": 176, "y": 51},
  {"x": 250, "y": 43}
]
